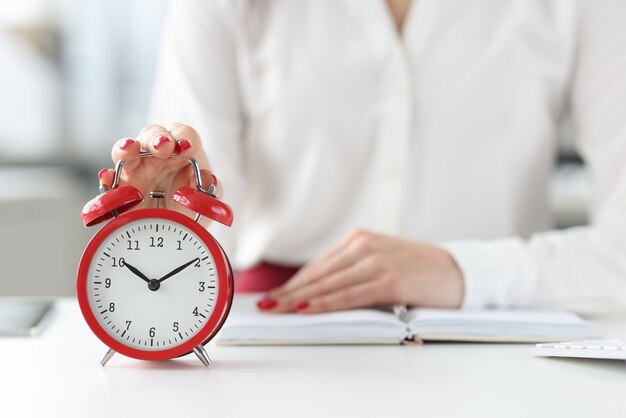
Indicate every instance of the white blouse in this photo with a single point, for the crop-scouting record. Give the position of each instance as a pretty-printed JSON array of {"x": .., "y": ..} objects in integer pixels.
[{"x": 319, "y": 118}]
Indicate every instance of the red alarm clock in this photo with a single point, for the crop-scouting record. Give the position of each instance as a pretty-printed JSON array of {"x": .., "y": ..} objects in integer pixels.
[{"x": 153, "y": 284}]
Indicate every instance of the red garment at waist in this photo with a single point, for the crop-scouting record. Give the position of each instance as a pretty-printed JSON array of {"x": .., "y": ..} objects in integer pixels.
[{"x": 263, "y": 277}]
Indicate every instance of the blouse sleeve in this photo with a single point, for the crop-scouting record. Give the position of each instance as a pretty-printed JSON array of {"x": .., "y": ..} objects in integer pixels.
[
  {"x": 197, "y": 85},
  {"x": 582, "y": 269}
]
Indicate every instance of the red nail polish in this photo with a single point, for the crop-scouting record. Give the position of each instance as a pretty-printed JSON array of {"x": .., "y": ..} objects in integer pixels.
[
  {"x": 214, "y": 180},
  {"x": 266, "y": 304},
  {"x": 125, "y": 143},
  {"x": 160, "y": 141},
  {"x": 182, "y": 146},
  {"x": 102, "y": 172},
  {"x": 302, "y": 305}
]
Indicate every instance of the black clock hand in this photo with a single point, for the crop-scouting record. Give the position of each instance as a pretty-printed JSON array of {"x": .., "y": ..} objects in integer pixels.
[
  {"x": 178, "y": 269},
  {"x": 137, "y": 272}
]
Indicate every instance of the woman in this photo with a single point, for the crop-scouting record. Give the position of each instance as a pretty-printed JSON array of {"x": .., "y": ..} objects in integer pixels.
[{"x": 400, "y": 152}]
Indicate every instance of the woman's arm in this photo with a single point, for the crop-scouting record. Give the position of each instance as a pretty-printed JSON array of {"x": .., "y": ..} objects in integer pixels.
[
  {"x": 196, "y": 85},
  {"x": 582, "y": 269}
]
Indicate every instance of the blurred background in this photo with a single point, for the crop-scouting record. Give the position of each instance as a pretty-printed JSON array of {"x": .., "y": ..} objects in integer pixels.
[{"x": 75, "y": 77}]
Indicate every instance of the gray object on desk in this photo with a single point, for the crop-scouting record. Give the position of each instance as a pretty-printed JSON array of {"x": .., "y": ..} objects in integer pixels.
[{"x": 23, "y": 317}]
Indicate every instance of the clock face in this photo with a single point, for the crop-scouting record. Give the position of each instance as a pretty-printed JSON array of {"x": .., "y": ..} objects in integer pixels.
[{"x": 152, "y": 284}]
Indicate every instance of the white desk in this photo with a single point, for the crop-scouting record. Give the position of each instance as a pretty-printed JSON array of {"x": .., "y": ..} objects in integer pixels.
[{"x": 57, "y": 375}]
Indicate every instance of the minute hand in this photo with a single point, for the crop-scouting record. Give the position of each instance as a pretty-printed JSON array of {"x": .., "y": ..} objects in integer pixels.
[{"x": 178, "y": 270}]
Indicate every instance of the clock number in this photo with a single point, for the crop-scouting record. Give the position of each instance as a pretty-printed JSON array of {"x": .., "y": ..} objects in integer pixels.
[
  {"x": 175, "y": 327},
  {"x": 152, "y": 333},
  {"x": 158, "y": 242},
  {"x": 107, "y": 282},
  {"x": 118, "y": 263},
  {"x": 131, "y": 246},
  {"x": 201, "y": 289},
  {"x": 195, "y": 311},
  {"x": 197, "y": 263},
  {"x": 128, "y": 325},
  {"x": 111, "y": 307},
  {"x": 179, "y": 248}
]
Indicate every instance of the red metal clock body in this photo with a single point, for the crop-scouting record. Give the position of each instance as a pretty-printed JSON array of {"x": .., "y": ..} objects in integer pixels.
[{"x": 153, "y": 284}]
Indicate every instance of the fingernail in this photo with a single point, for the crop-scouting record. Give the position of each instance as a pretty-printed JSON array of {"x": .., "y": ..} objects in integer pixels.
[
  {"x": 125, "y": 143},
  {"x": 160, "y": 141},
  {"x": 302, "y": 306},
  {"x": 266, "y": 304},
  {"x": 102, "y": 172},
  {"x": 214, "y": 180},
  {"x": 182, "y": 146}
]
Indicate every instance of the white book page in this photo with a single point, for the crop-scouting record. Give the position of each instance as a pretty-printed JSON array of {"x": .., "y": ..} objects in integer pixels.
[
  {"x": 245, "y": 312},
  {"x": 497, "y": 325},
  {"x": 247, "y": 325},
  {"x": 491, "y": 315}
]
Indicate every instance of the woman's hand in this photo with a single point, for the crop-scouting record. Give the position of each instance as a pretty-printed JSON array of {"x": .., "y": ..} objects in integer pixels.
[
  {"x": 368, "y": 269},
  {"x": 160, "y": 173}
]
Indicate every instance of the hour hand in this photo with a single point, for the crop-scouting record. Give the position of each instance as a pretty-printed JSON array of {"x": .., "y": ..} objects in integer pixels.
[{"x": 137, "y": 272}]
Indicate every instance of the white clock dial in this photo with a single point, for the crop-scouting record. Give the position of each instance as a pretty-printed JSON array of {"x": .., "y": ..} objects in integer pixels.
[{"x": 152, "y": 284}]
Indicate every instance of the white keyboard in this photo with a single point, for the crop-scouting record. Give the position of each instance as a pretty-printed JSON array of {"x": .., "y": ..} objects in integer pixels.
[{"x": 614, "y": 348}]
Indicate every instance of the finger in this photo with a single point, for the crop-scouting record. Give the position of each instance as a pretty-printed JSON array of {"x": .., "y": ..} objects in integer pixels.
[
  {"x": 337, "y": 258},
  {"x": 209, "y": 179},
  {"x": 158, "y": 140},
  {"x": 125, "y": 149},
  {"x": 180, "y": 131},
  {"x": 360, "y": 295},
  {"x": 314, "y": 271},
  {"x": 354, "y": 274},
  {"x": 350, "y": 250},
  {"x": 345, "y": 241},
  {"x": 106, "y": 176},
  {"x": 188, "y": 143}
]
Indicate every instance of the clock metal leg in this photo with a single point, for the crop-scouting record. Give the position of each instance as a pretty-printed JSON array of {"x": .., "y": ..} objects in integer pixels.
[
  {"x": 107, "y": 357},
  {"x": 202, "y": 355}
]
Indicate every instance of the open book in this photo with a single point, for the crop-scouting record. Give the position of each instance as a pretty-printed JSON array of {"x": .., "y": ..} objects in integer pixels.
[{"x": 246, "y": 325}]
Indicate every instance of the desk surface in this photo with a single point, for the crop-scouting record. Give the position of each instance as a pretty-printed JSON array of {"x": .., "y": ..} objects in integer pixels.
[{"x": 58, "y": 375}]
